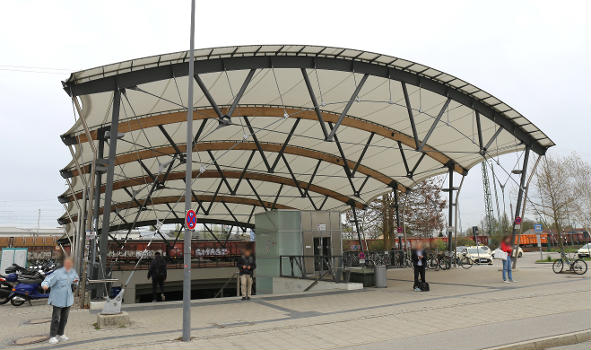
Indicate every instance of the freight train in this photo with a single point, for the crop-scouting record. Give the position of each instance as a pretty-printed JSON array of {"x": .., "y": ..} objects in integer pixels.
[
  {"x": 216, "y": 251},
  {"x": 568, "y": 238}
]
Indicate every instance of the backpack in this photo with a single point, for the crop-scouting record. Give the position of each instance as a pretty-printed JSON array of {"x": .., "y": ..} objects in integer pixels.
[{"x": 424, "y": 286}]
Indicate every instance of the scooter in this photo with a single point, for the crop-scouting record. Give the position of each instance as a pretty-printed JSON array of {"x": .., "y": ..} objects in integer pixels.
[
  {"x": 5, "y": 289},
  {"x": 7, "y": 283},
  {"x": 27, "y": 290}
]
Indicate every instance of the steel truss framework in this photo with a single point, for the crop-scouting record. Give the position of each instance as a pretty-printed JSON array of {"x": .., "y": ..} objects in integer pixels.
[{"x": 337, "y": 151}]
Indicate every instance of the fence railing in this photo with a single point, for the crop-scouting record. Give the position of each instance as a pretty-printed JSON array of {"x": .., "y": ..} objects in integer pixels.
[
  {"x": 390, "y": 258},
  {"x": 313, "y": 267}
]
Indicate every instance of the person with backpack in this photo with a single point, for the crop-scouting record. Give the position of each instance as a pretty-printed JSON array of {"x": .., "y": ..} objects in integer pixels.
[
  {"x": 157, "y": 271},
  {"x": 246, "y": 265},
  {"x": 418, "y": 256}
]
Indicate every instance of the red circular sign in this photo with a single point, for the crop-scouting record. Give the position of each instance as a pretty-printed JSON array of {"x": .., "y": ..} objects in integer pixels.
[
  {"x": 518, "y": 220},
  {"x": 191, "y": 219}
]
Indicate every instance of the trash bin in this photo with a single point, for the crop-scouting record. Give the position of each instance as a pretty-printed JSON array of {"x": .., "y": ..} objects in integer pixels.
[{"x": 380, "y": 276}]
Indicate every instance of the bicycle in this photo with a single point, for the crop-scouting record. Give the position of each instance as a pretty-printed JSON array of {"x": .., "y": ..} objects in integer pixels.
[
  {"x": 433, "y": 262},
  {"x": 447, "y": 261},
  {"x": 578, "y": 266}
]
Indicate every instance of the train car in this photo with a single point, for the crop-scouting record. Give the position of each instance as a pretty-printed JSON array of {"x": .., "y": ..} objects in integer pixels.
[
  {"x": 353, "y": 244},
  {"x": 530, "y": 239},
  {"x": 200, "y": 250}
]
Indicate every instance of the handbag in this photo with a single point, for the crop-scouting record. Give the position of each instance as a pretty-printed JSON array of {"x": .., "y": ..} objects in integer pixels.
[{"x": 499, "y": 254}]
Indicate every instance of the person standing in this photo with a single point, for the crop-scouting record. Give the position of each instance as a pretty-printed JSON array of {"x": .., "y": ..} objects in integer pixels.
[
  {"x": 246, "y": 265},
  {"x": 61, "y": 298},
  {"x": 418, "y": 256},
  {"x": 157, "y": 271},
  {"x": 507, "y": 248}
]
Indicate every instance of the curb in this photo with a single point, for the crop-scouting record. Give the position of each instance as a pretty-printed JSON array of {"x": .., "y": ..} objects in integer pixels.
[{"x": 544, "y": 343}]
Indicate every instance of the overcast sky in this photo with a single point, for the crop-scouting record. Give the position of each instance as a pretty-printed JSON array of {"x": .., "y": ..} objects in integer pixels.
[{"x": 533, "y": 55}]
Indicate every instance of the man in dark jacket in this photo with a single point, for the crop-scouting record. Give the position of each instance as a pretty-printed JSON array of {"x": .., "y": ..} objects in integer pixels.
[
  {"x": 418, "y": 255},
  {"x": 246, "y": 266},
  {"x": 157, "y": 271}
]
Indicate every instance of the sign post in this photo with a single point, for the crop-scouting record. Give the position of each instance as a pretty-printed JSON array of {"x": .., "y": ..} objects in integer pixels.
[
  {"x": 538, "y": 229},
  {"x": 191, "y": 219},
  {"x": 475, "y": 234},
  {"x": 188, "y": 183}
]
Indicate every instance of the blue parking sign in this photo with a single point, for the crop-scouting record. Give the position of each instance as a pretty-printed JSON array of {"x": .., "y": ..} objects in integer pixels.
[{"x": 538, "y": 227}]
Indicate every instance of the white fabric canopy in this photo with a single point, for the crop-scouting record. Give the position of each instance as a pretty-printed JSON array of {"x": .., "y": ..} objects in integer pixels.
[{"x": 276, "y": 131}]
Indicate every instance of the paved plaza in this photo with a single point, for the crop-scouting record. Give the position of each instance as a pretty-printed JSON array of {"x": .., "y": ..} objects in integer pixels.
[{"x": 465, "y": 309}]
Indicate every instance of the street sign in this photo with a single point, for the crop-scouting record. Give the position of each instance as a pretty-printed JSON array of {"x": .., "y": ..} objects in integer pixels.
[
  {"x": 518, "y": 220},
  {"x": 399, "y": 229},
  {"x": 538, "y": 227},
  {"x": 191, "y": 219}
]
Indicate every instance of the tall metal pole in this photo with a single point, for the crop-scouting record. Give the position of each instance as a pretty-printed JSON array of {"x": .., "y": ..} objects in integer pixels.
[
  {"x": 457, "y": 210},
  {"x": 518, "y": 205},
  {"x": 451, "y": 206},
  {"x": 396, "y": 206},
  {"x": 188, "y": 182},
  {"x": 104, "y": 237}
]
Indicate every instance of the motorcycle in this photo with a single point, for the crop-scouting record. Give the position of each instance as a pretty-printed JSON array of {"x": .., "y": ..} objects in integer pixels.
[
  {"x": 27, "y": 290},
  {"x": 5, "y": 288},
  {"x": 9, "y": 281},
  {"x": 24, "y": 284}
]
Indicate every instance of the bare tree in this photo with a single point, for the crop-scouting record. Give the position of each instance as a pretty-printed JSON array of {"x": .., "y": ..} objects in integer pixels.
[
  {"x": 581, "y": 208},
  {"x": 421, "y": 208},
  {"x": 556, "y": 190}
]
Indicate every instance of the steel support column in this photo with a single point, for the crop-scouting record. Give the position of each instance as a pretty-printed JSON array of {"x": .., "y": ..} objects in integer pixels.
[
  {"x": 97, "y": 200},
  {"x": 519, "y": 199},
  {"x": 450, "y": 209},
  {"x": 104, "y": 237},
  {"x": 397, "y": 210},
  {"x": 357, "y": 228}
]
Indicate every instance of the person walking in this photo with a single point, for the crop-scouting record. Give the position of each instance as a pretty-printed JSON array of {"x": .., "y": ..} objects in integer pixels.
[
  {"x": 418, "y": 256},
  {"x": 157, "y": 271},
  {"x": 61, "y": 298},
  {"x": 507, "y": 248},
  {"x": 246, "y": 265}
]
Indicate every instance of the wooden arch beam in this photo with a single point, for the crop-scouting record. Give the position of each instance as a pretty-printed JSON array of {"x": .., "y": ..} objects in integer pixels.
[
  {"x": 202, "y": 198},
  {"x": 278, "y": 112},
  {"x": 230, "y": 174},
  {"x": 249, "y": 146}
]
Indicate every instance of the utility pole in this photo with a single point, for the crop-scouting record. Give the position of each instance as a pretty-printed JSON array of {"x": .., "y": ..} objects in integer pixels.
[
  {"x": 189, "y": 182},
  {"x": 488, "y": 209},
  {"x": 38, "y": 221}
]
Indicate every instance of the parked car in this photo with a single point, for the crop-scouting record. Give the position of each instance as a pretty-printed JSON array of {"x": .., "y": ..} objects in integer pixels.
[
  {"x": 479, "y": 255},
  {"x": 583, "y": 252},
  {"x": 519, "y": 253},
  {"x": 460, "y": 249},
  {"x": 485, "y": 248}
]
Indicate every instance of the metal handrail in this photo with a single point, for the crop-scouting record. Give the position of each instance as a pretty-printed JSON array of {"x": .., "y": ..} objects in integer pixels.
[
  {"x": 324, "y": 266},
  {"x": 233, "y": 277}
]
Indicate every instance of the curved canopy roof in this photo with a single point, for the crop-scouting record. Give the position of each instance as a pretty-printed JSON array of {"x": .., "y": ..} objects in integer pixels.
[{"x": 311, "y": 128}]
